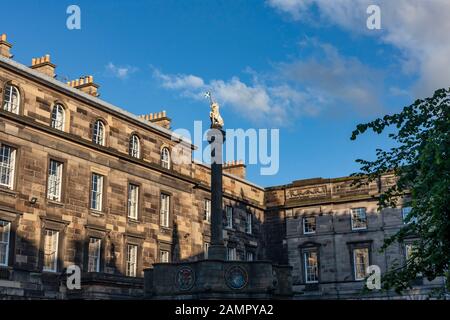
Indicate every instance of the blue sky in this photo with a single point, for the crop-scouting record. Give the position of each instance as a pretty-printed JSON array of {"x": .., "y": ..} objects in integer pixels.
[{"x": 308, "y": 67}]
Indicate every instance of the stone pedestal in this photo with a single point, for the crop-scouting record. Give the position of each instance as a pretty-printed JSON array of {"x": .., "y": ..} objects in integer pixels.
[{"x": 218, "y": 279}]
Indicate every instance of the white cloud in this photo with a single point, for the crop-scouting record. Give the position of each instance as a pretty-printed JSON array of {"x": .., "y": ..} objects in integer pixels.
[
  {"x": 179, "y": 81},
  {"x": 292, "y": 90},
  {"x": 418, "y": 28},
  {"x": 342, "y": 82},
  {"x": 121, "y": 72},
  {"x": 260, "y": 102}
]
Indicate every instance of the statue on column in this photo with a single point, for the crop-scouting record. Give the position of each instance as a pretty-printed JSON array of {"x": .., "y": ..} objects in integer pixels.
[{"x": 214, "y": 114}]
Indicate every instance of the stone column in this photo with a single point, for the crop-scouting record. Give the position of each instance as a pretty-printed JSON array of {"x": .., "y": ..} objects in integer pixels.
[{"x": 217, "y": 250}]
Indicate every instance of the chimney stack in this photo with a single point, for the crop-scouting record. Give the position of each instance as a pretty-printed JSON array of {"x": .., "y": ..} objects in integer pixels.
[
  {"x": 5, "y": 46},
  {"x": 85, "y": 84},
  {"x": 43, "y": 65},
  {"x": 158, "y": 118},
  {"x": 236, "y": 168}
]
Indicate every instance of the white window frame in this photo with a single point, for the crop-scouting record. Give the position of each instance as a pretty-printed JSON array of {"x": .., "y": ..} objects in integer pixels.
[
  {"x": 54, "y": 183},
  {"x": 229, "y": 216},
  {"x": 133, "y": 201},
  {"x": 94, "y": 254},
  {"x": 7, "y": 166},
  {"x": 9, "y": 103},
  {"x": 249, "y": 256},
  {"x": 132, "y": 252},
  {"x": 98, "y": 133},
  {"x": 97, "y": 193},
  {"x": 207, "y": 210},
  {"x": 5, "y": 236},
  {"x": 305, "y": 224},
  {"x": 58, "y": 117},
  {"x": 357, "y": 265},
  {"x": 164, "y": 256},
  {"x": 311, "y": 270},
  {"x": 165, "y": 158},
  {"x": 135, "y": 146},
  {"x": 354, "y": 213},
  {"x": 206, "y": 249},
  {"x": 409, "y": 247},
  {"x": 164, "y": 210},
  {"x": 405, "y": 212},
  {"x": 249, "y": 223},
  {"x": 51, "y": 245},
  {"x": 231, "y": 254}
]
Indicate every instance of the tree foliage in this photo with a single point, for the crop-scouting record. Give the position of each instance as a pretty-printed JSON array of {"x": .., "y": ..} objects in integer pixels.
[{"x": 420, "y": 160}]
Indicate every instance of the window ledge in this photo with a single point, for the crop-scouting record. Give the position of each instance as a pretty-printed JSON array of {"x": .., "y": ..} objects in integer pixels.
[
  {"x": 9, "y": 191},
  {"x": 55, "y": 203},
  {"x": 132, "y": 220},
  {"x": 96, "y": 213},
  {"x": 359, "y": 229}
]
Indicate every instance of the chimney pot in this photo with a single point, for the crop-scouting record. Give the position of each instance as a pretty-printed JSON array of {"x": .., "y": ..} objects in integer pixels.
[{"x": 43, "y": 65}]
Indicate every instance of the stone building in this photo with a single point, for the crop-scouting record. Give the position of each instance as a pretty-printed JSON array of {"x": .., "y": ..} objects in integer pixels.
[
  {"x": 85, "y": 183},
  {"x": 330, "y": 231}
]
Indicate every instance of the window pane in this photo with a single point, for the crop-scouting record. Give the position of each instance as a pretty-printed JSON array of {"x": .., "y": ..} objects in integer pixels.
[
  {"x": 249, "y": 256},
  {"x": 165, "y": 158},
  {"x": 361, "y": 262},
  {"x": 58, "y": 117},
  {"x": 359, "y": 220},
  {"x": 164, "y": 256},
  {"x": 5, "y": 228},
  {"x": 12, "y": 99},
  {"x": 205, "y": 250},
  {"x": 50, "y": 250},
  {"x": 405, "y": 212},
  {"x": 229, "y": 216},
  {"x": 7, "y": 164},
  {"x": 54, "y": 180},
  {"x": 131, "y": 260},
  {"x": 231, "y": 254},
  {"x": 94, "y": 255},
  {"x": 311, "y": 267},
  {"x": 99, "y": 133},
  {"x": 164, "y": 210},
  {"x": 248, "y": 223},
  {"x": 96, "y": 192},
  {"x": 207, "y": 210},
  {"x": 309, "y": 225},
  {"x": 135, "y": 149},
  {"x": 133, "y": 201}
]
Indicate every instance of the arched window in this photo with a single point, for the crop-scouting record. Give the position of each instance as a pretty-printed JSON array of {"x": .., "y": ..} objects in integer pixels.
[
  {"x": 12, "y": 99},
  {"x": 58, "y": 117},
  {"x": 165, "y": 158},
  {"x": 98, "y": 136},
  {"x": 135, "y": 146}
]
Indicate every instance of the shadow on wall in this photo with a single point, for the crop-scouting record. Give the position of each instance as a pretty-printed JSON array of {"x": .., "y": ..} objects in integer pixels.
[{"x": 26, "y": 262}]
